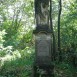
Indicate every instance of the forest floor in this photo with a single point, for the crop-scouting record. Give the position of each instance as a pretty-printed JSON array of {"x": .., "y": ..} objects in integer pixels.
[{"x": 21, "y": 66}]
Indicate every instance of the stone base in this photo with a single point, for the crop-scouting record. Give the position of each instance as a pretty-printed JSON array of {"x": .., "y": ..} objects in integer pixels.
[{"x": 43, "y": 71}]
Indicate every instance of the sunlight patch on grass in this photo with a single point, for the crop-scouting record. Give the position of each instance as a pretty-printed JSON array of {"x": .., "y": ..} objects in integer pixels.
[{"x": 9, "y": 57}]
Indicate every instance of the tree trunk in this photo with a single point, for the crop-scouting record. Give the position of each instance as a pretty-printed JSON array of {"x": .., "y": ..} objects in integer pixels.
[
  {"x": 59, "y": 17},
  {"x": 51, "y": 26}
]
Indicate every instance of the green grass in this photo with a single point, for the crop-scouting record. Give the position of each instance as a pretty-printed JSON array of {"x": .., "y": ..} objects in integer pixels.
[
  {"x": 22, "y": 67},
  {"x": 19, "y": 67}
]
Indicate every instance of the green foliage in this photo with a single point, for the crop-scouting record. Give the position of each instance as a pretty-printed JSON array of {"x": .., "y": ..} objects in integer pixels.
[
  {"x": 12, "y": 32},
  {"x": 17, "y": 19},
  {"x": 4, "y": 50},
  {"x": 65, "y": 69},
  {"x": 13, "y": 17},
  {"x": 25, "y": 40},
  {"x": 20, "y": 66},
  {"x": 68, "y": 26}
]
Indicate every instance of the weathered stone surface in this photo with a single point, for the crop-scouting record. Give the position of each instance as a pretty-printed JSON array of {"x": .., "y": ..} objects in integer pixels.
[{"x": 43, "y": 48}]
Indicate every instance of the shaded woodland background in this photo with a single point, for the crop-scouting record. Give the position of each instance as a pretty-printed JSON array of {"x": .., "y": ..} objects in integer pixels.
[{"x": 17, "y": 23}]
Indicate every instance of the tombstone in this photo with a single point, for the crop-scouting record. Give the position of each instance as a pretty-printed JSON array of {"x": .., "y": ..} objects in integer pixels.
[
  {"x": 43, "y": 64},
  {"x": 43, "y": 53},
  {"x": 43, "y": 48}
]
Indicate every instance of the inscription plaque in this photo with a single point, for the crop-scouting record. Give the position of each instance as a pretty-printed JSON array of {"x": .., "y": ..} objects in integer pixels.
[{"x": 43, "y": 48}]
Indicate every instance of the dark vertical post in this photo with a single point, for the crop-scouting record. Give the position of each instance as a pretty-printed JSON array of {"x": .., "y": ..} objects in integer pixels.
[
  {"x": 59, "y": 17},
  {"x": 51, "y": 25},
  {"x": 51, "y": 15}
]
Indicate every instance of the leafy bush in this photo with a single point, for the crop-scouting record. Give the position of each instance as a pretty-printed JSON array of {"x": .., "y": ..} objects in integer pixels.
[
  {"x": 4, "y": 50},
  {"x": 19, "y": 67}
]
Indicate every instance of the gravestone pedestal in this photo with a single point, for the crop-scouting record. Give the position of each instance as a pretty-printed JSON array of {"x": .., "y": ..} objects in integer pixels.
[
  {"x": 43, "y": 48},
  {"x": 43, "y": 64}
]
